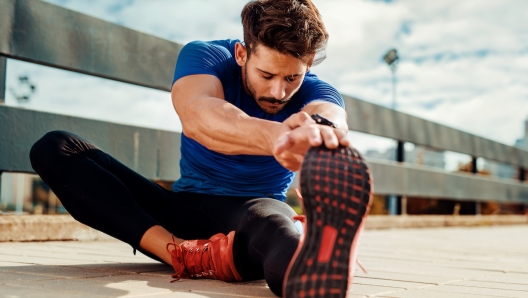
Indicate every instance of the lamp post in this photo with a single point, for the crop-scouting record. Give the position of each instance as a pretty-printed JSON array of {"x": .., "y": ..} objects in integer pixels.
[
  {"x": 393, "y": 201},
  {"x": 392, "y": 60}
]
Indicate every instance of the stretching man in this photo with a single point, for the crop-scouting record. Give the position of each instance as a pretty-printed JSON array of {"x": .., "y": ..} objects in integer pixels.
[{"x": 252, "y": 113}]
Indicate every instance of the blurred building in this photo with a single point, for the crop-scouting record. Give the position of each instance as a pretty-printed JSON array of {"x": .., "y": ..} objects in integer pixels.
[
  {"x": 500, "y": 169},
  {"x": 418, "y": 155}
]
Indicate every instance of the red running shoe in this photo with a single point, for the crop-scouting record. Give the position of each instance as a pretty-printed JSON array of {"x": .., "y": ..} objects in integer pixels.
[
  {"x": 336, "y": 191},
  {"x": 212, "y": 258}
]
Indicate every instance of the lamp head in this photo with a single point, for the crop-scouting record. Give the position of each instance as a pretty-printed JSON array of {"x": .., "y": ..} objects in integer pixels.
[{"x": 391, "y": 56}]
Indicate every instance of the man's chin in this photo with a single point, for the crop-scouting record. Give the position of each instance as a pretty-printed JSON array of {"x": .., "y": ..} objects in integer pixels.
[{"x": 272, "y": 110}]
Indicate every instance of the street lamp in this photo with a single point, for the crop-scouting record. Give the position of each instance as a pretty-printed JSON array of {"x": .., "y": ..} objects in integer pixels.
[
  {"x": 392, "y": 60},
  {"x": 393, "y": 201}
]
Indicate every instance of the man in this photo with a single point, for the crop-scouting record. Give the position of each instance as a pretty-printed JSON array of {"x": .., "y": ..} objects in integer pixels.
[{"x": 246, "y": 113}]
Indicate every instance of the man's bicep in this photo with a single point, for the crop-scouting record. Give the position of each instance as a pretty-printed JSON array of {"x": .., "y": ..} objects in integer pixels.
[
  {"x": 331, "y": 111},
  {"x": 193, "y": 88}
]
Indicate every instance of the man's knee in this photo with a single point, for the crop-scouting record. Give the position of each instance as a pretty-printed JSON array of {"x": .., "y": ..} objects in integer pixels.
[
  {"x": 47, "y": 147},
  {"x": 270, "y": 216}
]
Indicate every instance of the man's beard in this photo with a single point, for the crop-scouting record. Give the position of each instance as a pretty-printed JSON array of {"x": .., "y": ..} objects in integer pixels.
[{"x": 266, "y": 109}]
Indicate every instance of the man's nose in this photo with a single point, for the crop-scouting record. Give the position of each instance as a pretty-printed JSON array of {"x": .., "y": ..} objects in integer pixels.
[{"x": 278, "y": 90}]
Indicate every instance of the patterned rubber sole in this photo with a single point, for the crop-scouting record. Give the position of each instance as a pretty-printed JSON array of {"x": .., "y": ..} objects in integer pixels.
[{"x": 336, "y": 190}]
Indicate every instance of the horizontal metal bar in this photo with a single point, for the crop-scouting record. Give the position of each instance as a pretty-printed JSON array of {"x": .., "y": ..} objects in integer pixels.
[
  {"x": 46, "y": 34},
  {"x": 420, "y": 181},
  {"x": 377, "y": 120},
  {"x": 154, "y": 154},
  {"x": 50, "y": 35}
]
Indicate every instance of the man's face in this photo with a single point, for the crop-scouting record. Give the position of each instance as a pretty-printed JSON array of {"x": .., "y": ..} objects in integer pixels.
[{"x": 270, "y": 77}]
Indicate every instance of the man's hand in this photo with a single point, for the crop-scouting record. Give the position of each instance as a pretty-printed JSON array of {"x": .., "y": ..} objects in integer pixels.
[{"x": 299, "y": 133}]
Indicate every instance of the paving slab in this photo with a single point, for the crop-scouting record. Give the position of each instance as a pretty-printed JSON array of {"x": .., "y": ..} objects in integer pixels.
[{"x": 434, "y": 262}]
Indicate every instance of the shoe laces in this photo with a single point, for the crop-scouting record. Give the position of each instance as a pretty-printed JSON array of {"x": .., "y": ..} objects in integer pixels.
[
  {"x": 191, "y": 258},
  {"x": 177, "y": 259},
  {"x": 302, "y": 219}
]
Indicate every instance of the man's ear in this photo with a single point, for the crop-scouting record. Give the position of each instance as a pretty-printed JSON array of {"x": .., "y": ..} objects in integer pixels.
[{"x": 240, "y": 54}]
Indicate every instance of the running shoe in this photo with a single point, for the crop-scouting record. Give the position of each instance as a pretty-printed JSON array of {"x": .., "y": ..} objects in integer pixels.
[
  {"x": 336, "y": 195},
  {"x": 211, "y": 258}
]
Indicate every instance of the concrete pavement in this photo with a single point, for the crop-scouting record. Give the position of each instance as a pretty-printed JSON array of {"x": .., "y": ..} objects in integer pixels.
[{"x": 434, "y": 262}]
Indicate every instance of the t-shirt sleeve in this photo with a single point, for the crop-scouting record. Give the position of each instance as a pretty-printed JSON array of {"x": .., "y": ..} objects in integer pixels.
[
  {"x": 314, "y": 89},
  {"x": 199, "y": 57}
]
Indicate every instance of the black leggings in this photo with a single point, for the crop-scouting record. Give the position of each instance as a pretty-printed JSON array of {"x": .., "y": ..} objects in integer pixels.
[{"x": 104, "y": 194}]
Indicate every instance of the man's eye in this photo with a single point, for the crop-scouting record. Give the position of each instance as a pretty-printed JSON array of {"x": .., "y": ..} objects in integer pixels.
[
  {"x": 290, "y": 79},
  {"x": 267, "y": 78}
]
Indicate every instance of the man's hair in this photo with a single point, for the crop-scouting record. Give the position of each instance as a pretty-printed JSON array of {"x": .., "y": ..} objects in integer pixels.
[{"x": 292, "y": 27}]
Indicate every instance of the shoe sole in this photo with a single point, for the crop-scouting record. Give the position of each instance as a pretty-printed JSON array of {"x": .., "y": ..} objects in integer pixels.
[{"x": 336, "y": 191}]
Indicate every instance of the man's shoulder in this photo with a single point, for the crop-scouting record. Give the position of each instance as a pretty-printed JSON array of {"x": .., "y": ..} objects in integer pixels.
[
  {"x": 208, "y": 57},
  {"x": 313, "y": 88},
  {"x": 224, "y": 47}
]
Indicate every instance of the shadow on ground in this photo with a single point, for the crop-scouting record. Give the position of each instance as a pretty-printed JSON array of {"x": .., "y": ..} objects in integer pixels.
[{"x": 114, "y": 280}]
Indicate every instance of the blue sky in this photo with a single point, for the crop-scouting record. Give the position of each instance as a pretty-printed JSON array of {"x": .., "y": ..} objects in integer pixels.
[{"x": 463, "y": 63}]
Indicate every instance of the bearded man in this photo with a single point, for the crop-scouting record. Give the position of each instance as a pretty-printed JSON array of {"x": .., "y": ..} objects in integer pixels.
[{"x": 252, "y": 114}]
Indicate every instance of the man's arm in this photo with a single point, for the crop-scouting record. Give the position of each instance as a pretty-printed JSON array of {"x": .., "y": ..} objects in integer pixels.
[
  {"x": 330, "y": 111},
  {"x": 292, "y": 146},
  {"x": 220, "y": 126}
]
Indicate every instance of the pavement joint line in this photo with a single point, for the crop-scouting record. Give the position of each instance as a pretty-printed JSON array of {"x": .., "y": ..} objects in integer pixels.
[
  {"x": 77, "y": 253},
  {"x": 451, "y": 267},
  {"x": 484, "y": 287},
  {"x": 420, "y": 282},
  {"x": 450, "y": 292},
  {"x": 110, "y": 270},
  {"x": 233, "y": 295},
  {"x": 48, "y": 275},
  {"x": 499, "y": 282},
  {"x": 48, "y": 257},
  {"x": 358, "y": 283},
  {"x": 421, "y": 260},
  {"x": 25, "y": 286},
  {"x": 414, "y": 273}
]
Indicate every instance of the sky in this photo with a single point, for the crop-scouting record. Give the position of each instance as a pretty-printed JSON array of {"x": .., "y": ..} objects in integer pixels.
[{"x": 462, "y": 63}]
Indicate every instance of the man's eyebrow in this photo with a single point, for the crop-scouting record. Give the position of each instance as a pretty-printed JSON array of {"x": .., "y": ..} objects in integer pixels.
[{"x": 272, "y": 74}]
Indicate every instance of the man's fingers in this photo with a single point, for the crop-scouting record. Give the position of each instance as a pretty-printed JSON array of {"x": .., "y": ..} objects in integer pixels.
[
  {"x": 299, "y": 119},
  {"x": 343, "y": 137},
  {"x": 331, "y": 141}
]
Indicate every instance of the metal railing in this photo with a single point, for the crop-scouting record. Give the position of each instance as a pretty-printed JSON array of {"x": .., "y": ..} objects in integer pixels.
[{"x": 45, "y": 34}]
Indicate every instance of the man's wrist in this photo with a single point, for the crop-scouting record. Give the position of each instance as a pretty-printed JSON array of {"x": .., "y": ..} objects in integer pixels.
[{"x": 270, "y": 131}]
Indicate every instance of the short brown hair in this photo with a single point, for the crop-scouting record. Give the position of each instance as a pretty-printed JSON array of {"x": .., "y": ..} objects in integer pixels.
[{"x": 292, "y": 27}]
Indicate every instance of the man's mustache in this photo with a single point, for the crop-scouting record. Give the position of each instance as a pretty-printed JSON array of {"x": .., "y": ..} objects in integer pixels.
[{"x": 273, "y": 100}]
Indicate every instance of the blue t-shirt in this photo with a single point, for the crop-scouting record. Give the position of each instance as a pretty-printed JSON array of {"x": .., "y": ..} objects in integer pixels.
[{"x": 209, "y": 172}]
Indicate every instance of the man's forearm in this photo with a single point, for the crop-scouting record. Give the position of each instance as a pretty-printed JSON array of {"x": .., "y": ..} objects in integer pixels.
[{"x": 222, "y": 127}]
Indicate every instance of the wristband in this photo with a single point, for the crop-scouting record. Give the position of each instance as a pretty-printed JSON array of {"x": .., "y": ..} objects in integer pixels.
[{"x": 323, "y": 121}]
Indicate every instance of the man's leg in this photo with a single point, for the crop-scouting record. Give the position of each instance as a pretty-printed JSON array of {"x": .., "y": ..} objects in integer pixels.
[
  {"x": 265, "y": 235},
  {"x": 102, "y": 193},
  {"x": 336, "y": 186}
]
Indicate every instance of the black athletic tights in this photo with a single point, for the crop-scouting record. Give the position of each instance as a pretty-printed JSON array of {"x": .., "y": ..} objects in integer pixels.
[{"x": 102, "y": 193}]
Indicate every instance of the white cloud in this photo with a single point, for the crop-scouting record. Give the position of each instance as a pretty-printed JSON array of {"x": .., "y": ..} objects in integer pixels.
[{"x": 463, "y": 64}]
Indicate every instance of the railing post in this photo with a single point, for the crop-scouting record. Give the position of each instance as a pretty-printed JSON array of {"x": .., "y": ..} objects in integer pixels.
[
  {"x": 400, "y": 157},
  {"x": 394, "y": 202},
  {"x": 3, "y": 71},
  {"x": 400, "y": 152},
  {"x": 474, "y": 170}
]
